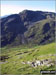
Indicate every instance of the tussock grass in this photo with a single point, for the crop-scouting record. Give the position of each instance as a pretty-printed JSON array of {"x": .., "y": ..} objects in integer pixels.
[{"x": 14, "y": 65}]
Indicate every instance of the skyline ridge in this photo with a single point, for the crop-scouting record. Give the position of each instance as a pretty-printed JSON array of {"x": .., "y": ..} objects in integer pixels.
[{"x": 11, "y": 7}]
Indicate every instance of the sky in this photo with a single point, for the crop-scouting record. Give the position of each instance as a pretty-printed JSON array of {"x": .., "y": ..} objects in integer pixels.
[{"x": 15, "y": 6}]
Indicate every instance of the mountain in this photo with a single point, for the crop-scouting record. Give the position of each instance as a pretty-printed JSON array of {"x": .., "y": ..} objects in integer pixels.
[{"x": 28, "y": 27}]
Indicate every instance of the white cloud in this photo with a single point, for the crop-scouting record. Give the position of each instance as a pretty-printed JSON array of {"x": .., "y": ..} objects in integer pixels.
[{"x": 12, "y": 9}]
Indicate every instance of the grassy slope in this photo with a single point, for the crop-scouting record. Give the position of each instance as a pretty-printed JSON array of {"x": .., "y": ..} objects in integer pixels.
[
  {"x": 41, "y": 32},
  {"x": 14, "y": 65}
]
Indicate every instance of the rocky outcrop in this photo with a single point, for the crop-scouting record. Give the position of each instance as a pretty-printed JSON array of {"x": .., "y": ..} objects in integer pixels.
[{"x": 36, "y": 63}]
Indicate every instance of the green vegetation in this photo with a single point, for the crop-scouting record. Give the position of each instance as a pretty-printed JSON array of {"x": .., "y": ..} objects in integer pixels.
[
  {"x": 11, "y": 64},
  {"x": 41, "y": 32}
]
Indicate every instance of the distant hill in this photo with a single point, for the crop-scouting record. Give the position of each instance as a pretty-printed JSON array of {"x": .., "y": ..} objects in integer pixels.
[{"x": 28, "y": 27}]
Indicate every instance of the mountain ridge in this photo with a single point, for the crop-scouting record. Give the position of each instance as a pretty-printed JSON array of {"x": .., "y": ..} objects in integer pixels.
[{"x": 28, "y": 26}]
